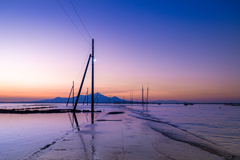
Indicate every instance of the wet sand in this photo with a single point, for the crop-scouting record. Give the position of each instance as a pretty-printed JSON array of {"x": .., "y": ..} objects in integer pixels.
[{"x": 126, "y": 136}]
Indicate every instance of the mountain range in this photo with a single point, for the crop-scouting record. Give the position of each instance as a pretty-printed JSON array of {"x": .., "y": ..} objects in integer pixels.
[{"x": 98, "y": 98}]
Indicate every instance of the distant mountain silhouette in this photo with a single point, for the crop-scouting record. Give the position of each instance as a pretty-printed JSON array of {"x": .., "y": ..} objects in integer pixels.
[{"x": 98, "y": 97}]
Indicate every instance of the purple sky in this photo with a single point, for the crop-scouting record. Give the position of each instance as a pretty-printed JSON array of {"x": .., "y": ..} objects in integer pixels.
[{"x": 184, "y": 50}]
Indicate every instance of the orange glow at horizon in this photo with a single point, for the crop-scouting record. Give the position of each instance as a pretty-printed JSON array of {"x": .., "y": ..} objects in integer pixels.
[
  {"x": 181, "y": 56},
  {"x": 190, "y": 94}
]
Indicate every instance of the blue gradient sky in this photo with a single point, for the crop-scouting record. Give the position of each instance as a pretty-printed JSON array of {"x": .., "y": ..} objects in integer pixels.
[{"x": 184, "y": 50}]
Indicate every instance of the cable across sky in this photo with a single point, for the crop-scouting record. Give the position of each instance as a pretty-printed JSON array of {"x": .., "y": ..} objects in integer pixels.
[
  {"x": 74, "y": 23},
  {"x": 80, "y": 19}
]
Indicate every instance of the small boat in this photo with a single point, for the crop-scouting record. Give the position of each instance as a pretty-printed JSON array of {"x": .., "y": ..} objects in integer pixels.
[{"x": 185, "y": 104}]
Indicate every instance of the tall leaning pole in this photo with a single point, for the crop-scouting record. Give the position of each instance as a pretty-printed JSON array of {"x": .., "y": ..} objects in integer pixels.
[{"x": 92, "y": 108}]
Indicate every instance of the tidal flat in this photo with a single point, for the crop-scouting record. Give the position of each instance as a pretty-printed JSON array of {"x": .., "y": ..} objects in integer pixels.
[{"x": 122, "y": 132}]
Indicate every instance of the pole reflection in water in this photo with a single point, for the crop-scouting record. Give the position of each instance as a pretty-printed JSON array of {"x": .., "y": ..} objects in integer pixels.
[
  {"x": 76, "y": 121},
  {"x": 74, "y": 118},
  {"x": 81, "y": 137},
  {"x": 86, "y": 114},
  {"x": 145, "y": 108},
  {"x": 88, "y": 148},
  {"x": 71, "y": 120},
  {"x": 92, "y": 115},
  {"x": 93, "y": 147}
]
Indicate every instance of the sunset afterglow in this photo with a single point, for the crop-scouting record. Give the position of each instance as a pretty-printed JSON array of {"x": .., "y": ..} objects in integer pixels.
[{"x": 186, "y": 51}]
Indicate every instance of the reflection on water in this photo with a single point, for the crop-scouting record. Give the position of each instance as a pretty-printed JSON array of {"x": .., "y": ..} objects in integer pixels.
[
  {"x": 81, "y": 136},
  {"x": 84, "y": 146},
  {"x": 76, "y": 121},
  {"x": 217, "y": 123},
  {"x": 23, "y": 134},
  {"x": 71, "y": 120},
  {"x": 86, "y": 114},
  {"x": 92, "y": 141},
  {"x": 92, "y": 115}
]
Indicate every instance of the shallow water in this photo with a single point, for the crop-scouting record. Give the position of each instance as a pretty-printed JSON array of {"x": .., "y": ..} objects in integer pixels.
[
  {"x": 23, "y": 134},
  {"x": 217, "y": 123}
]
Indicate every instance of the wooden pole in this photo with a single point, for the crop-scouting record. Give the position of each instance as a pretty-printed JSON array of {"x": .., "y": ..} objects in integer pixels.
[
  {"x": 76, "y": 121},
  {"x": 92, "y": 108},
  {"x": 69, "y": 96},
  {"x": 73, "y": 93},
  {"x": 97, "y": 98},
  {"x": 75, "y": 106},
  {"x": 132, "y": 97},
  {"x": 147, "y": 94}
]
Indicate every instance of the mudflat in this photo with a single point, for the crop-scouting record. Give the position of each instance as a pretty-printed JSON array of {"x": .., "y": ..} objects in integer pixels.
[{"x": 123, "y": 135}]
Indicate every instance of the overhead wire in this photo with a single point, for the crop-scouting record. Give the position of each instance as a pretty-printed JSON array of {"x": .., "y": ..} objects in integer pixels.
[
  {"x": 73, "y": 22},
  {"x": 79, "y": 32},
  {"x": 83, "y": 64},
  {"x": 80, "y": 19}
]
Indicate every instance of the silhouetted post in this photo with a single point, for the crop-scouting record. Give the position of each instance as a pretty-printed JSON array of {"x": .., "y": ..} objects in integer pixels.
[
  {"x": 69, "y": 96},
  {"x": 86, "y": 96},
  {"x": 147, "y": 94},
  {"x": 76, "y": 121},
  {"x": 73, "y": 93},
  {"x": 147, "y": 97},
  {"x": 109, "y": 100},
  {"x": 92, "y": 108},
  {"x": 96, "y": 98},
  {"x": 81, "y": 84},
  {"x": 142, "y": 96},
  {"x": 132, "y": 97}
]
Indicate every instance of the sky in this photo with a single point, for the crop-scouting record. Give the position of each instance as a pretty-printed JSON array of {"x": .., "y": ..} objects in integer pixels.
[{"x": 182, "y": 50}]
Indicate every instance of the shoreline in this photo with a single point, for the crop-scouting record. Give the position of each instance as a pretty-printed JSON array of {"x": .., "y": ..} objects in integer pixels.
[
  {"x": 123, "y": 136},
  {"x": 40, "y": 110}
]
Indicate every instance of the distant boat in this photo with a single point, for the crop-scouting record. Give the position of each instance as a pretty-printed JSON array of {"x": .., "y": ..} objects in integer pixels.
[{"x": 185, "y": 104}]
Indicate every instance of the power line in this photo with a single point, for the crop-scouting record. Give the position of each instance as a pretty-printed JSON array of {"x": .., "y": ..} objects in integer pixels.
[
  {"x": 80, "y": 19},
  {"x": 72, "y": 22},
  {"x": 83, "y": 63}
]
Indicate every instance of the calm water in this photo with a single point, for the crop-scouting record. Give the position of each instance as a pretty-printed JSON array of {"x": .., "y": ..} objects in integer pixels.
[
  {"x": 215, "y": 122},
  {"x": 23, "y": 134}
]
